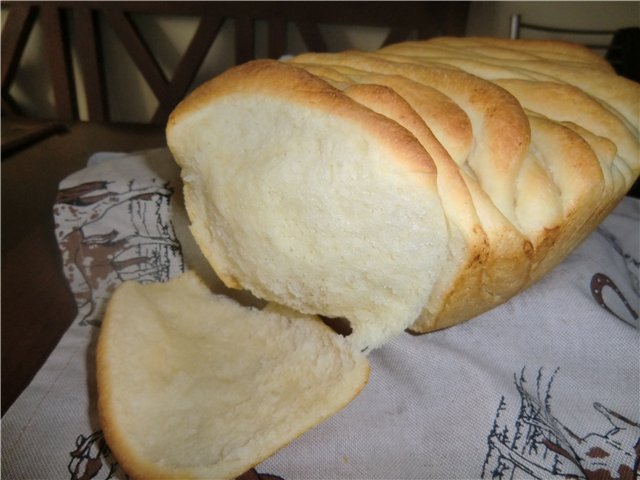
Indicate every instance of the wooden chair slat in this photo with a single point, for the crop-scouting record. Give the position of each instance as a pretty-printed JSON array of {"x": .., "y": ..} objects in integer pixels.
[
  {"x": 312, "y": 36},
  {"x": 138, "y": 50},
  {"x": 207, "y": 31},
  {"x": 15, "y": 33},
  {"x": 9, "y": 106},
  {"x": 245, "y": 39},
  {"x": 277, "y": 37},
  {"x": 396, "y": 35},
  {"x": 453, "y": 19},
  {"x": 89, "y": 50},
  {"x": 59, "y": 59}
]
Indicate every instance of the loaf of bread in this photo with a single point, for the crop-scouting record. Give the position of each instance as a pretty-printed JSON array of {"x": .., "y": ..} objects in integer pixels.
[
  {"x": 194, "y": 385},
  {"x": 412, "y": 187}
]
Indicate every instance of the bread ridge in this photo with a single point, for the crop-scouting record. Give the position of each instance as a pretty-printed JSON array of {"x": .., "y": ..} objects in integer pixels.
[
  {"x": 576, "y": 213},
  {"x": 586, "y": 92},
  {"x": 540, "y": 235}
]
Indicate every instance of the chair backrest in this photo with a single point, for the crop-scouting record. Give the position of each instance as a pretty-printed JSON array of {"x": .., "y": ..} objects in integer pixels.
[
  {"x": 72, "y": 35},
  {"x": 598, "y": 40}
]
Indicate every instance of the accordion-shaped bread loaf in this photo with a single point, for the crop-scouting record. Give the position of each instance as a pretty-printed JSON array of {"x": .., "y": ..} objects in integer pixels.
[{"x": 412, "y": 187}]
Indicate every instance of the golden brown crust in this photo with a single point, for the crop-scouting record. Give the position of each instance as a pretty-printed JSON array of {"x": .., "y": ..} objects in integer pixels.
[
  {"x": 446, "y": 119},
  {"x": 295, "y": 84},
  {"x": 571, "y": 104}
]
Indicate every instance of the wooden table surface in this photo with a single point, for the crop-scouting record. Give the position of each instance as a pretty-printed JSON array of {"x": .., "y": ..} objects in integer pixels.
[{"x": 37, "y": 306}]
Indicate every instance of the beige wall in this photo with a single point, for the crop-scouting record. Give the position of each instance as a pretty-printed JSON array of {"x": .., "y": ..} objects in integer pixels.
[{"x": 133, "y": 101}]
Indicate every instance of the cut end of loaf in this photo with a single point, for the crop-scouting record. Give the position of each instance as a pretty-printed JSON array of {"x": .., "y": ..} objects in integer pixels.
[{"x": 309, "y": 199}]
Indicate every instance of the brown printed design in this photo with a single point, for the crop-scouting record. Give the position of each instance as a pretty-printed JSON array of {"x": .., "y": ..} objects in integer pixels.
[
  {"x": 631, "y": 263},
  {"x": 537, "y": 445},
  {"x": 599, "y": 284},
  {"x": 254, "y": 475},
  {"x": 92, "y": 459},
  {"x": 605, "y": 291},
  {"x": 110, "y": 232}
]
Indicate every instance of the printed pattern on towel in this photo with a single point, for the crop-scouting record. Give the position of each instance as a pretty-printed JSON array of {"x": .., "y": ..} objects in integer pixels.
[
  {"x": 92, "y": 459},
  {"x": 113, "y": 231},
  {"x": 605, "y": 291},
  {"x": 531, "y": 442}
]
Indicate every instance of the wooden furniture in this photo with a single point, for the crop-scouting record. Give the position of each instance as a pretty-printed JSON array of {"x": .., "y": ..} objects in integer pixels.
[
  {"x": 77, "y": 27},
  {"x": 598, "y": 40}
]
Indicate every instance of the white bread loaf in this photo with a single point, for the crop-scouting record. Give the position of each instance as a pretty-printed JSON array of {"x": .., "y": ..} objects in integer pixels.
[
  {"x": 528, "y": 164},
  {"x": 193, "y": 385}
]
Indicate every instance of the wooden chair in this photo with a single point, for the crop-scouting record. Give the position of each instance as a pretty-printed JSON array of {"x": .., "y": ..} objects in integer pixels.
[
  {"x": 77, "y": 27},
  {"x": 598, "y": 40}
]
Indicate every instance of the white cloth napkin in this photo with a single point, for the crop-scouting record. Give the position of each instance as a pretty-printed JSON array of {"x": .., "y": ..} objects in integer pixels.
[{"x": 545, "y": 386}]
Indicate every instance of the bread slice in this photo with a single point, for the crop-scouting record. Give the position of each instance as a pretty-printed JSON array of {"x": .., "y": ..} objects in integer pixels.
[
  {"x": 193, "y": 385},
  {"x": 307, "y": 198}
]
